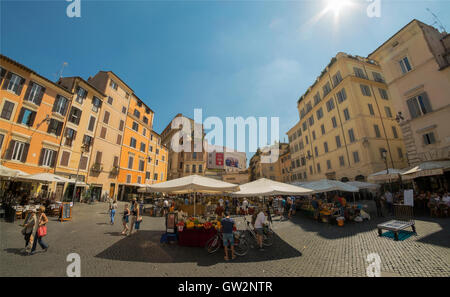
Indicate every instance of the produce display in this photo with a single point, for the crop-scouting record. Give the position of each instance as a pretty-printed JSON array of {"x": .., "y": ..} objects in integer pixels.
[{"x": 198, "y": 223}]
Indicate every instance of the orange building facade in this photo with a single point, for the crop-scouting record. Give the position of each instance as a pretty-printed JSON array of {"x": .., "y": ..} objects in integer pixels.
[{"x": 78, "y": 128}]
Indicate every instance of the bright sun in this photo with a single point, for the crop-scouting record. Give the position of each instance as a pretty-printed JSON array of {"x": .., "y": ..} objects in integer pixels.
[{"x": 337, "y": 6}]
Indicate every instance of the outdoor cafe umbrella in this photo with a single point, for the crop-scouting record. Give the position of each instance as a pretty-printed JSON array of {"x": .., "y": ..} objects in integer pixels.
[
  {"x": 191, "y": 184},
  {"x": 8, "y": 172},
  {"x": 427, "y": 169},
  {"x": 268, "y": 187},
  {"x": 45, "y": 177},
  {"x": 363, "y": 185},
  {"x": 327, "y": 185},
  {"x": 384, "y": 175}
]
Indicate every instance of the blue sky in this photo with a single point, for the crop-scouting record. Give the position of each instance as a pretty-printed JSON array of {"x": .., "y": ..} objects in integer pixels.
[{"x": 230, "y": 58}]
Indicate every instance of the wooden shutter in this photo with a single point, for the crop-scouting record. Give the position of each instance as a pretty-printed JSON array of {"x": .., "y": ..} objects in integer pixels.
[
  {"x": 32, "y": 118},
  {"x": 413, "y": 107},
  {"x": 103, "y": 133},
  {"x": 25, "y": 153},
  {"x": 426, "y": 102},
  {"x": 66, "y": 106},
  {"x": 7, "y": 79},
  {"x": 55, "y": 104},
  {"x": 98, "y": 157},
  {"x": 22, "y": 111},
  {"x": 19, "y": 89},
  {"x": 91, "y": 124},
  {"x": 53, "y": 161},
  {"x": 2, "y": 74},
  {"x": 116, "y": 161},
  {"x": 106, "y": 117},
  {"x": 83, "y": 162},
  {"x": 41, "y": 157},
  {"x": 65, "y": 159},
  {"x": 27, "y": 93},
  {"x": 59, "y": 128},
  {"x": 119, "y": 139},
  {"x": 10, "y": 149},
  {"x": 40, "y": 96},
  {"x": 121, "y": 125}
]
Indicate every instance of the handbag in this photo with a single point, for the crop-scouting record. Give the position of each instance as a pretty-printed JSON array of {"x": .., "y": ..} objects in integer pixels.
[{"x": 42, "y": 231}]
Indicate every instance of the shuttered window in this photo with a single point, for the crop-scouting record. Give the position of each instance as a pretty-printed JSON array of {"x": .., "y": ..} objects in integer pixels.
[
  {"x": 83, "y": 162},
  {"x": 91, "y": 124},
  {"x": 81, "y": 94},
  {"x": 65, "y": 157},
  {"x": 106, "y": 117},
  {"x": 98, "y": 157},
  {"x": 61, "y": 104},
  {"x": 7, "y": 110},
  {"x": 103, "y": 133},
  {"x": 119, "y": 139},
  {"x": 55, "y": 127},
  {"x": 14, "y": 83},
  {"x": 75, "y": 115},
  {"x": 419, "y": 105},
  {"x": 26, "y": 117},
  {"x": 34, "y": 93}
]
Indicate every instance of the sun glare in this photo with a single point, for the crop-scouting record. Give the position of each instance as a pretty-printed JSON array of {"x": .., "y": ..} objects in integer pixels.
[{"x": 336, "y": 6}]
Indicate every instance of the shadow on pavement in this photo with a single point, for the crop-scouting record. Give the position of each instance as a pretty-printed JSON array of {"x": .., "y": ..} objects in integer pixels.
[
  {"x": 440, "y": 238},
  {"x": 145, "y": 246},
  {"x": 15, "y": 251}
]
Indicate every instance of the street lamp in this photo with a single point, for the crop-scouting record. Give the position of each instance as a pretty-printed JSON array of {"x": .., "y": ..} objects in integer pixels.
[
  {"x": 84, "y": 148},
  {"x": 384, "y": 156}
]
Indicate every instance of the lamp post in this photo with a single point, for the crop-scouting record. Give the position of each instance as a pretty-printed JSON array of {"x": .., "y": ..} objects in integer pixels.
[
  {"x": 84, "y": 148},
  {"x": 384, "y": 156}
]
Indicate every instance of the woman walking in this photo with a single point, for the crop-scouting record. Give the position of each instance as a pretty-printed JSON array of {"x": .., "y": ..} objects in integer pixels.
[
  {"x": 112, "y": 210},
  {"x": 41, "y": 230},
  {"x": 134, "y": 215},
  {"x": 126, "y": 214},
  {"x": 29, "y": 229}
]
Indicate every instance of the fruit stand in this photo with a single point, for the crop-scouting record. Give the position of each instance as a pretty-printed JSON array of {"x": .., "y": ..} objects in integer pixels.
[{"x": 195, "y": 232}]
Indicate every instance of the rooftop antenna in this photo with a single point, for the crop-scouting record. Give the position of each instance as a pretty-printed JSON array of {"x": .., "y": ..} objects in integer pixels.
[
  {"x": 62, "y": 69},
  {"x": 437, "y": 21}
]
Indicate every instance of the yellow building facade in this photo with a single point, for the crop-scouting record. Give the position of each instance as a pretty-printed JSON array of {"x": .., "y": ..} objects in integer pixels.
[
  {"x": 347, "y": 124},
  {"x": 416, "y": 64}
]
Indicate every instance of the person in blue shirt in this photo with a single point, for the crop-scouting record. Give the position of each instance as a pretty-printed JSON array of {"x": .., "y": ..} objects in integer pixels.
[{"x": 227, "y": 235}]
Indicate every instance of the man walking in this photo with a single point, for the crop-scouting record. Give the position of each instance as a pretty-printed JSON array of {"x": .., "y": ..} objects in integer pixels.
[{"x": 227, "y": 235}]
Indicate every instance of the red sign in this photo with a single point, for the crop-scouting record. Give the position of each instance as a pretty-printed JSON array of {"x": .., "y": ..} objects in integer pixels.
[{"x": 219, "y": 159}]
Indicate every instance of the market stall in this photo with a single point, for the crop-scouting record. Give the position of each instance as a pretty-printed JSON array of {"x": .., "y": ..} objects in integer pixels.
[
  {"x": 193, "y": 230},
  {"x": 331, "y": 208}
]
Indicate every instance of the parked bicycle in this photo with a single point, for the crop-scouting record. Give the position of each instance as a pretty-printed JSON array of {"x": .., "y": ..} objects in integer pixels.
[
  {"x": 267, "y": 233},
  {"x": 216, "y": 242}
]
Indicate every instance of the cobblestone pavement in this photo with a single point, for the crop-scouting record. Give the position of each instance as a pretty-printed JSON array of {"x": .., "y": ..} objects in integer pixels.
[{"x": 302, "y": 247}]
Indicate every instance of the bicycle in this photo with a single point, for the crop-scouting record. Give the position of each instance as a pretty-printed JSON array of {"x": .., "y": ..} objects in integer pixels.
[
  {"x": 240, "y": 244},
  {"x": 267, "y": 233}
]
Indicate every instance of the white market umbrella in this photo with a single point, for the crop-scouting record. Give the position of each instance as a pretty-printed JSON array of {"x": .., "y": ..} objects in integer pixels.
[
  {"x": 191, "y": 184},
  {"x": 363, "y": 185},
  {"x": 384, "y": 175},
  {"x": 46, "y": 177},
  {"x": 268, "y": 187},
  {"x": 327, "y": 185},
  {"x": 8, "y": 172},
  {"x": 427, "y": 169}
]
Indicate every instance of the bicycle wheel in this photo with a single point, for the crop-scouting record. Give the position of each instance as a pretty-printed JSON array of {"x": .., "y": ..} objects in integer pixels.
[
  {"x": 268, "y": 238},
  {"x": 213, "y": 244},
  {"x": 241, "y": 249}
]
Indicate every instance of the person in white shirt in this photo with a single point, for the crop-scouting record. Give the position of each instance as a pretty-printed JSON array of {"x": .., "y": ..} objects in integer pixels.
[
  {"x": 259, "y": 225},
  {"x": 245, "y": 206},
  {"x": 221, "y": 202},
  {"x": 166, "y": 206}
]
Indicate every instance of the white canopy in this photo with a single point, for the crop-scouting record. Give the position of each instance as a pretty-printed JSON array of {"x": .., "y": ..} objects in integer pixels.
[
  {"x": 363, "y": 185},
  {"x": 427, "y": 169},
  {"x": 45, "y": 177},
  {"x": 267, "y": 187},
  {"x": 191, "y": 184},
  {"x": 327, "y": 185},
  {"x": 383, "y": 175},
  {"x": 8, "y": 172}
]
